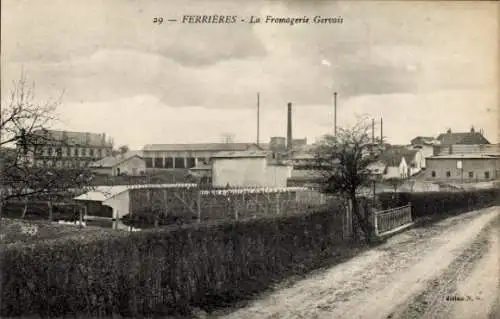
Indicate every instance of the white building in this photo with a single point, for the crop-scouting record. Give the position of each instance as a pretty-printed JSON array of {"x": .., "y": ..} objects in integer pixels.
[{"x": 247, "y": 169}]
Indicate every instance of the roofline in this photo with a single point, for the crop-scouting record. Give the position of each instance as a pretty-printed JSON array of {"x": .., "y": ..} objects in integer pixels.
[{"x": 123, "y": 160}]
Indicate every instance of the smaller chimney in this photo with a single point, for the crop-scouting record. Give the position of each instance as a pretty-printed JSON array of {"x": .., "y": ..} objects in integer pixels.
[{"x": 472, "y": 129}]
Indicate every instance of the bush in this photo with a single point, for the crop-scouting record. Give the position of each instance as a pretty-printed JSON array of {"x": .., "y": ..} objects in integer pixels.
[
  {"x": 159, "y": 272},
  {"x": 438, "y": 203}
]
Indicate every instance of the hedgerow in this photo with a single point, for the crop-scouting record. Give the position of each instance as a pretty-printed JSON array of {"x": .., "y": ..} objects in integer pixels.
[{"x": 162, "y": 271}]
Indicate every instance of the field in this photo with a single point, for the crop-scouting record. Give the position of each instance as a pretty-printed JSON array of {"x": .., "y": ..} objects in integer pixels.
[{"x": 28, "y": 232}]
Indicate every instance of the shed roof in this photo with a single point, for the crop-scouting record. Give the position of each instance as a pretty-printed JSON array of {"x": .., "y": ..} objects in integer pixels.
[{"x": 103, "y": 193}]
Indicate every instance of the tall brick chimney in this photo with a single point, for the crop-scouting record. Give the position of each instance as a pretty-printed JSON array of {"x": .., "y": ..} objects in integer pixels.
[{"x": 289, "y": 128}]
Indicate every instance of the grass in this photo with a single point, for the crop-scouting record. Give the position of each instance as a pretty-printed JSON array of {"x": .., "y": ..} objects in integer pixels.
[{"x": 20, "y": 231}]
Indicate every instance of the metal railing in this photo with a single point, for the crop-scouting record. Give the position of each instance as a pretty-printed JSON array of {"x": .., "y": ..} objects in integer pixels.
[{"x": 390, "y": 220}]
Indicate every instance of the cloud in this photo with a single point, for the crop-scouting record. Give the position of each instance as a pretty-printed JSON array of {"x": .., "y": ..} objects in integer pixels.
[
  {"x": 108, "y": 55},
  {"x": 145, "y": 119}
]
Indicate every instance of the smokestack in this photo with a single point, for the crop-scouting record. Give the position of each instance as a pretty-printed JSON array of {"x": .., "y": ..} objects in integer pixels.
[
  {"x": 381, "y": 132},
  {"x": 258, "y": 118},
  {"x": 335, "y": 113},
  {"x": 289, "y": 128}
]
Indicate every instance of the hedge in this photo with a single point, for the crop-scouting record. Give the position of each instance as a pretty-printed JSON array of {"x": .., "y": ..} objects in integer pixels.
[
  {"x": 429, "y": 204},
  {"x": 159, "y": 272}
]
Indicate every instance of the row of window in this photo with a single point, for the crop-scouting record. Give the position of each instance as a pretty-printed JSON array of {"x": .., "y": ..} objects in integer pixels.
[
  {"x": 61, "y": 164},
  {"x": 77, "y": 152},
  {"x": 174, "y": 162},
  {"x": 470, "y": 174}
]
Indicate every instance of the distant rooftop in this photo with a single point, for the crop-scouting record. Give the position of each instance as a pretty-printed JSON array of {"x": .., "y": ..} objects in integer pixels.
[
  {"x": 212, "y": 147},
  {"x": 241, "y": 154},
  {"x": 466, "y": 156},
  {"x": 469, "y": 138},
  {"x": 112, "y": 161}
]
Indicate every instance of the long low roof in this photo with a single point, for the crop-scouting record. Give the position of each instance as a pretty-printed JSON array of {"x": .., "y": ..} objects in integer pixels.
[
  {"x": 213, "y": 147},
  {"x": 465, "y": 156}
]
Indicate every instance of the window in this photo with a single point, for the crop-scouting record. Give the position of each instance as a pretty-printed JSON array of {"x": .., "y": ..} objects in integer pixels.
[
  {"x": 179, "y": 162},
  {"x": 59, "y": 152},
  {"x": 201, "y": 160},
  {"x": 169, "y": 162},
  {"x": 68, "y": 151},
  {"x": 117, "y": 171},
  {"x": 471, "y": 174},
  {"x": 149, "y": 162},
  {"x": 433, "y": 173},
  {"x": 487, "y": 175},
  {"x": 75, "y": 152},
  {"x": 448, "y": 174},
  {"x": 190, "y": 162},
  {"x": 159, "y": 162},
  {"x": 91, "y": 152}
]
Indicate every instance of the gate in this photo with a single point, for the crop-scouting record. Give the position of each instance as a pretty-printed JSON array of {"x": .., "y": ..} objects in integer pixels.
[{"x": 392, "y": 220}]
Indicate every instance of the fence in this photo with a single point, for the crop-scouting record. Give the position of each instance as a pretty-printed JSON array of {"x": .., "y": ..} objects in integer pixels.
[
  {"x": 214, "y": 204},
  {"x": 392, "y": 220}
]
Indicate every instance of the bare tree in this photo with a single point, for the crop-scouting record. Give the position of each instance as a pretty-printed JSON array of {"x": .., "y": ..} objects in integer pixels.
[
  {"x": 122, "y": 150},
  {"x": 23, "y": 133},
  {"x": 343, "y": 162},
  {"x": 395, "y": 182}
]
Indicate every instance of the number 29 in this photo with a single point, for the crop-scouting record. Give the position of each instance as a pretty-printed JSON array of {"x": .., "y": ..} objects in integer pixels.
[{"x": 158, "y": 20}]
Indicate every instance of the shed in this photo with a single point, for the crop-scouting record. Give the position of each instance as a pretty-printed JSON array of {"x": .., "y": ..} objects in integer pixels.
[{"x": 128, "y": 164}]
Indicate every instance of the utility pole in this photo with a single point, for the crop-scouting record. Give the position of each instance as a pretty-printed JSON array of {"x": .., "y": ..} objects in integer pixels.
[
  {"x": 381, "y": 132},
  {"x": 335, "y": 113},
  {"x": 258, "y": 118},
  {"x": 373, "y": 131}
]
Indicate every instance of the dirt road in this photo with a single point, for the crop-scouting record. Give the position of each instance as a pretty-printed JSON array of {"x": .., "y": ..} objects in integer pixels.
[{"x": 421, "y": 273}]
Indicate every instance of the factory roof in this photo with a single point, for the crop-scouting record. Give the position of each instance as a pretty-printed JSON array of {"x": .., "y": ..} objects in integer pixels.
[
  {"x": 240, "y": 154},
  {"x": 211, "y": 147}
]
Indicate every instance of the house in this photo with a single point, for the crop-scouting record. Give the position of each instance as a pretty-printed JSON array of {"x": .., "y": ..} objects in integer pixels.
[
  {"x": 400, "y": 162},
  {"x": 463, "y": 167},
  {"x": 464, "y": 138},
  {"x": 186, "y": 156},
  {"x": 247, "y": 169},
  {"x": 131, "y": 164},
  {"x": 67, "y": 149}
]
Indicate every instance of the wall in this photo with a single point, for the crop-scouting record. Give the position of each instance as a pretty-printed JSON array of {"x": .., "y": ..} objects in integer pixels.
[
  {"x": 426, "y": 151},
  {"x": 239, "y": 172},
  {"x": 471, "y": 149},
  {"x": 278, "y": 175},
  {"x": 129, "y": 165},
  {"x": 477, "y": 167},
  {"x": 120, "y": 204},
  {"x": 102, "y": 170}
]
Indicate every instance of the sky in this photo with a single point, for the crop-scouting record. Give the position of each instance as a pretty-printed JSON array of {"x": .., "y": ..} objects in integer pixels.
[{"x": 423, "y": 67}]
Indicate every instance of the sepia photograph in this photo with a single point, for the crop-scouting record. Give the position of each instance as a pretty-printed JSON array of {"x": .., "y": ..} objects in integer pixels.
[{"x": 264, "y": 159}]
